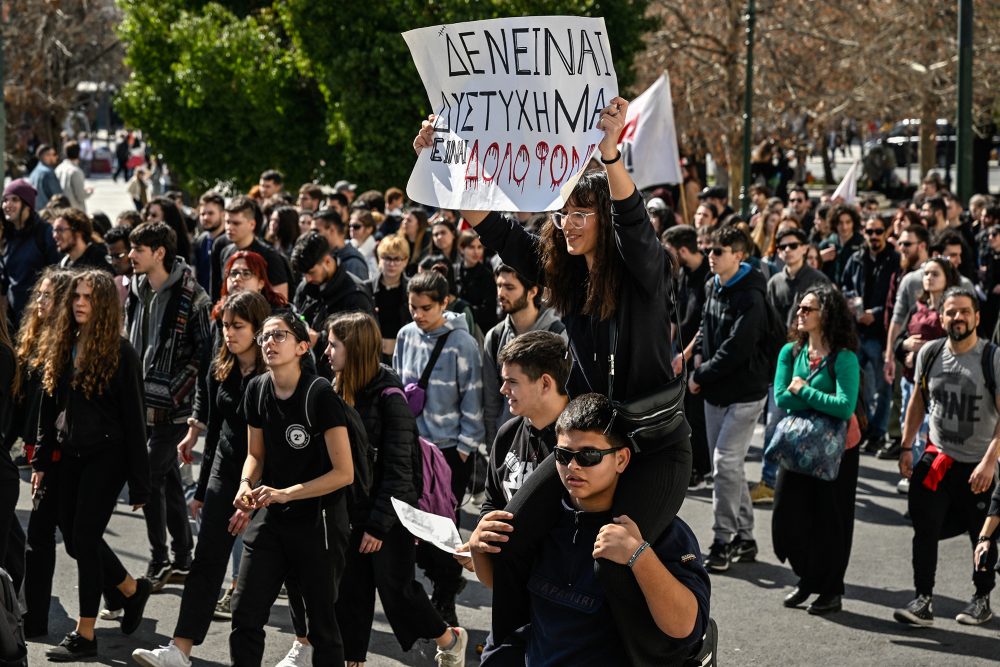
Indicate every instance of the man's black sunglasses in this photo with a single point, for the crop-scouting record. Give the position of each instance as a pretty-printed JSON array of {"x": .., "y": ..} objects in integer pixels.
[{"x": 585, "y": 458}]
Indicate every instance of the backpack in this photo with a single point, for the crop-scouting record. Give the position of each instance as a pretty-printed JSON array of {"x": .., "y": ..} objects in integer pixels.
[
  {"x": 436, "y": 495},
  {"x": 985, "y": 361},
  {"x": 859, "y": 405},
  {"x": 362, "y": 453},
  {"x": 13, "y": 650}
]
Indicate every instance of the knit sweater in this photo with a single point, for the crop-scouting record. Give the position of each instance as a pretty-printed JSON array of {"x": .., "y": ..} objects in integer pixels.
[{"x": 823, "y": 393}]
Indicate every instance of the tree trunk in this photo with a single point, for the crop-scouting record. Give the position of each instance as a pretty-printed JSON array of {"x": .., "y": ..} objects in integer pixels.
[{"x": 928, "y": 146}]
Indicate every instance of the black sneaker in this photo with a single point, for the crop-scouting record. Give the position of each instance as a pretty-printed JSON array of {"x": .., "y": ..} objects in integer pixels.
[
  {"x": 977, "y": 612},
  {"x": 743, "y": 551},
  {"x": 73, "y": 648},
  {"x": 179, "y": 571},
  {"x": 920, "y": 611},
  {"x": 872, "y": 443},
  {"x": 136, "y": 605},
  {"x": 158, "y": 574},
  {"x": 720, "y": 555},
  {"x": 890, "y": 450}
]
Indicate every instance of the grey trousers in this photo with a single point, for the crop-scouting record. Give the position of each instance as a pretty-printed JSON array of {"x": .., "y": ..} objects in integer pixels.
[{"x": 729, "y": 431}]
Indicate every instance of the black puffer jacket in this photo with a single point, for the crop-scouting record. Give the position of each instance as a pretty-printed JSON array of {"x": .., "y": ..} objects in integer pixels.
[{"x": 392, "y": 432}]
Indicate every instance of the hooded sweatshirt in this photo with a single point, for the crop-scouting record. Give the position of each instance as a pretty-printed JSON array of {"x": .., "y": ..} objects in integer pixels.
[
  {"x": 453, "y": 411},
  {"x": 169, "y": 328},
  {"x": 496, "y": 412},
  {"x": 28, "y": 250},
  {"x": 734, "y": 367}
]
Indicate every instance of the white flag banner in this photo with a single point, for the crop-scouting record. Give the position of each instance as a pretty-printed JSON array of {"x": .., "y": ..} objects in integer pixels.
[
  {"x": 436, "y": 530},
  {"x": 649, "y": 139},
  {"x": 517, "y": 102},
  {"x": 847, "y": 191}
]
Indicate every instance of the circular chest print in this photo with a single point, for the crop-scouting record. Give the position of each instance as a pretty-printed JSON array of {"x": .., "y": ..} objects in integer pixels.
[{"x": 296, "y": 436}]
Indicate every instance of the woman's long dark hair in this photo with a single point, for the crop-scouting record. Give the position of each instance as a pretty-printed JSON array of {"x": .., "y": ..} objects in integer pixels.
[
  {"x": 253, "y": 309},
  {"x": 172, "y": 216},
  {"x": 564, "y": 272},
  {"x": 836, "y": 321},
  {"x": 951, "y": 278}
]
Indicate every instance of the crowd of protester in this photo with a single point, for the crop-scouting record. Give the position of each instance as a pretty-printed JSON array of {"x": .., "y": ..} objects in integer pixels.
[{"x": 328, "y": 351}]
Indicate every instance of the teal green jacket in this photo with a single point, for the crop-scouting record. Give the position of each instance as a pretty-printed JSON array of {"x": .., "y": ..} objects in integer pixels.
[{"x": 822, "y": 394}]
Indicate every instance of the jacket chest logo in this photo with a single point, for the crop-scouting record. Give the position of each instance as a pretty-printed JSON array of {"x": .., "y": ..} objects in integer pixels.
[{"x": 296, "y": 436}]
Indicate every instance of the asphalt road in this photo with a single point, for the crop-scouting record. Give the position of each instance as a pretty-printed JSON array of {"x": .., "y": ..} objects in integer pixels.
[{"x": 755, "y": 629}]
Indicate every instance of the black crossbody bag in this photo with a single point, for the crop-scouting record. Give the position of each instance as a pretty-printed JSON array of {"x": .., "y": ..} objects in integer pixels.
[{"x": 650, "y": 418}]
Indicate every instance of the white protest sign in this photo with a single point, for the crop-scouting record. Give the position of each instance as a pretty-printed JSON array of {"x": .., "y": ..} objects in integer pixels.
[
  {"x": 436, "y": 530},
  {"x": 518, "y": 102}
]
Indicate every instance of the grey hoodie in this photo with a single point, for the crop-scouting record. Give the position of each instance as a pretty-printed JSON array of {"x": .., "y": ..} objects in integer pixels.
[{"x": 496, "y": 411}]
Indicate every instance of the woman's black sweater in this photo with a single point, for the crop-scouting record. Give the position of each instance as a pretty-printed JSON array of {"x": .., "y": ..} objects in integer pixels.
[
  {"x": 642, "y": 363},
  {"x": 114, "y": 418}
]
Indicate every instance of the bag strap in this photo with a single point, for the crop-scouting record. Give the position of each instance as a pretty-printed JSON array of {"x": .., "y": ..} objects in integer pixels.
[
  {"x": 989, "y": 373},
  {"x": 425, "y": 377},
  {"x": 935, "y": 352},
  {"x": 614, "y": 332}
]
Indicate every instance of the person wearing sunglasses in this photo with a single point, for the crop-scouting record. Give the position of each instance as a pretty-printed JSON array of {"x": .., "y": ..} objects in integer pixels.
[
  {"x": 812, "y": 526},
  {"x": 565, "y": 590},
  {"x": 867, "y": 278},
  {"x": 298, "y": 461},
  {"x": 784, "y": 291},
  {"x": 601, "y": 264}
]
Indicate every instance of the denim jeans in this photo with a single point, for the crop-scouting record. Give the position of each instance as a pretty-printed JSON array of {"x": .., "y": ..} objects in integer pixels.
[
  {"x": 730, "y": 430},
  {"x": 769, "y": 470},
  {"x": 878, "y": 392}
]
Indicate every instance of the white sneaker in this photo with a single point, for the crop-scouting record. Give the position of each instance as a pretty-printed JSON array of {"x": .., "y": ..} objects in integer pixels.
[
  {"x": 455, "y": 656},
  {"x": 300, "y": 655},
  {"x": 165, "y": 656},
  {"x": 111, "y": 614}
]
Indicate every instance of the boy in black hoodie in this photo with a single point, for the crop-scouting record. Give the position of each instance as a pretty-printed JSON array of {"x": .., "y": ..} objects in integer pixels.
[{"x": 732, "y": 378}]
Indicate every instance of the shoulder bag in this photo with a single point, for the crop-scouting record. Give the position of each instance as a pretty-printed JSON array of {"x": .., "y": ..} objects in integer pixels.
[{"x": 809, "y": 442}]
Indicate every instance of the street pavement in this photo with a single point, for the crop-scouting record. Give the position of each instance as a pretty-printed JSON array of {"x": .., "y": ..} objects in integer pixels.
[{"x": 755, "y": 629}]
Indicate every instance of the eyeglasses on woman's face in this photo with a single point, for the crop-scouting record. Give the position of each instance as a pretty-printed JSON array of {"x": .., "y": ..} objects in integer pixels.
[
  {"x": 240, "y": 274},
  {"x": 279, "y": 336},
  {"x": 574, "y": 220},
  {"x": 806, "y": 310}
]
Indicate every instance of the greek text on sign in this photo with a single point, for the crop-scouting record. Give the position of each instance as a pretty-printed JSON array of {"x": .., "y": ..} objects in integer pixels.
[{"x": 517, "y": 102}]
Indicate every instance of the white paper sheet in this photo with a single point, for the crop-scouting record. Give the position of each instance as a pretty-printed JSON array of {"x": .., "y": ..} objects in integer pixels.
[{"x": 431, "y": 528}]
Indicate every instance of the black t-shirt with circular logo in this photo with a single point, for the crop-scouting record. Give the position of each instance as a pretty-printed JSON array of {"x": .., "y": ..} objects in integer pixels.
[{"x": 294, "y": 428}]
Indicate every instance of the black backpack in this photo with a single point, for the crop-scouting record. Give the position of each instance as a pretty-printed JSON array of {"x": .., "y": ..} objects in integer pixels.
[
  {"x": 362, "y": 453},
  {"x": 13, "y": 650}
]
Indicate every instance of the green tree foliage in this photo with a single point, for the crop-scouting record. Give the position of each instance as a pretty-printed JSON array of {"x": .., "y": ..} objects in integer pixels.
[
  {"x": 218, "y": 95},
  {"x": 227, "y": 92}
]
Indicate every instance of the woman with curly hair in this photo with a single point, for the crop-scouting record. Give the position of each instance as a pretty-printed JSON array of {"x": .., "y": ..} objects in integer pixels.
[
  {"x": 813, "y": 521},
  {"x": 604, "y": 271},
  {"x": 40, "y": 565},
  {"x": 92, "y": 414}
]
